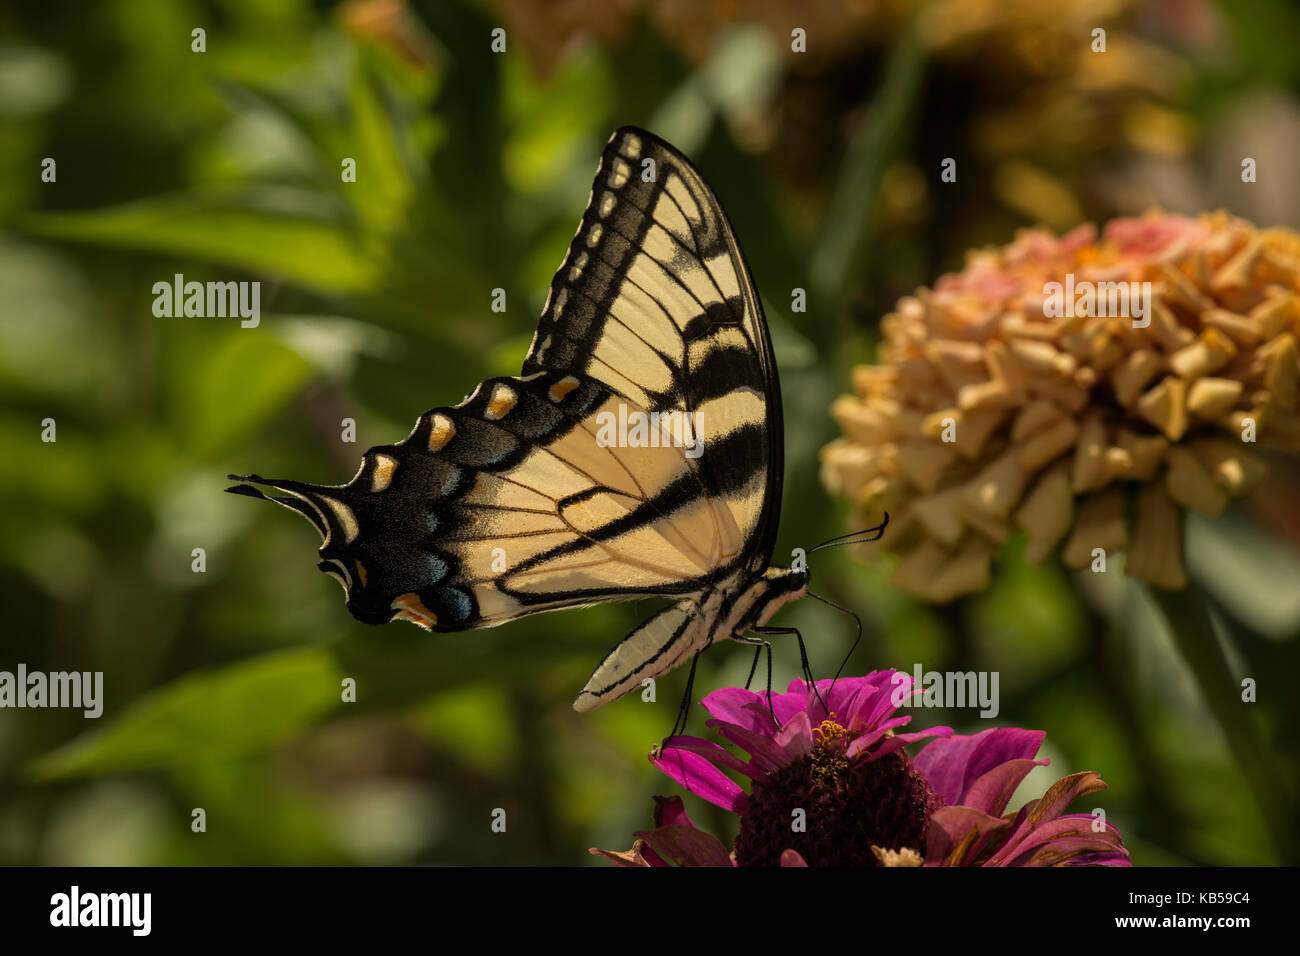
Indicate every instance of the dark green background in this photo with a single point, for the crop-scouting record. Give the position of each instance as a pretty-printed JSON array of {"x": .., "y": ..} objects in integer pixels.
[{"x": 222, "y": 688}]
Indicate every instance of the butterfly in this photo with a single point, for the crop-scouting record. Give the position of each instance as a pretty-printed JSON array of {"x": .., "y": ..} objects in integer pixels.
[{"x": 637, "y": 454}]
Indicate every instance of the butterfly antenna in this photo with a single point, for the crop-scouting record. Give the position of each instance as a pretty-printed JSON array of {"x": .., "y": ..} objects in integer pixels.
[{"x": 865, "y": 536}]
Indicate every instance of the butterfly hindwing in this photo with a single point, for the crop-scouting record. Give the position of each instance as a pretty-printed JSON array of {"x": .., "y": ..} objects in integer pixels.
[{"x": 500, "y": 507}]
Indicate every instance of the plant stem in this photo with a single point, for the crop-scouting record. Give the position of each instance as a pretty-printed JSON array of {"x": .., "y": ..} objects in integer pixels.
[
  {"x": 1190, "y": 622},
  {"x": 1161, "y": 816}
]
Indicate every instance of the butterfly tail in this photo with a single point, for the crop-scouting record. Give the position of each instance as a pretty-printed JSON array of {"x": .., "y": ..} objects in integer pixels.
[
  {"x": 302, "y": 500},
  {"x": 655, "y": 647}
]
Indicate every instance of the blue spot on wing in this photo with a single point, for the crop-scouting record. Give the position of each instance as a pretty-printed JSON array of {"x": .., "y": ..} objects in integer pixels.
[{"x": 456, "y": 604}]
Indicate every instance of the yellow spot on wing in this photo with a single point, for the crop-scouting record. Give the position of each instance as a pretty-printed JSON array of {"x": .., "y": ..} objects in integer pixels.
[
  {"x": 410, "y": 608},
  {"x": 346, "y": 518},
  {"x": 385, "y": 465},
  {"x": 441, "y": 433},
  {"x": 563, "y": 387},
  {"x": 503, "y": 399}
]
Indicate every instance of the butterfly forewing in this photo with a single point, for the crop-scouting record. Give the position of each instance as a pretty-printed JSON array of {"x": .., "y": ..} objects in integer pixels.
[{"x": 654, "y": 299}]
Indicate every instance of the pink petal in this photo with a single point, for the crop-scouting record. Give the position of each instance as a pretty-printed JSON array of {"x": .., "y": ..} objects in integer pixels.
[
  {"x": 793, "y": 701},
  {"x": 709, "y": 750},
  {"x": 840, "y": 696},
  {"x": 670, "y": 811},
  {"x": 898, "y": 741},
  {"x": 734, "y": 705},
  {"x": 767, "y": 756},
  {"x": 951, "y": 765},
  {"x": 796, "y": 737},
  {"x": 868, "y": 741},
  {"x": 991, "y": 791},
  {"x": 699, "y": 775}
]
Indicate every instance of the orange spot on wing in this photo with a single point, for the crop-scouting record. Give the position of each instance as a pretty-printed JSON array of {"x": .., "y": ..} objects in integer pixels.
[
  {"x": 563, "y": 387},
  {"x": 441, "y": 433},
  {"x": 409, "y": 607},
  {"x": 502, "y": 401},
  {"x": 361, "y": 572}
]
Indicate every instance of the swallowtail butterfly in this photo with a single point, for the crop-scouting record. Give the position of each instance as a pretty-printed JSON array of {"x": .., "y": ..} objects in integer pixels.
[{"x": 638, "y": 452}]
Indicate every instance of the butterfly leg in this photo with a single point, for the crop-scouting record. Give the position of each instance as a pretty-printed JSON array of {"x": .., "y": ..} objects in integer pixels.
[
  {"x": 683, "y": 712},
  {"x": 856, "y": 640},
  {"x": 803, "y": 656},
  {"x": 759, "y": 646}
]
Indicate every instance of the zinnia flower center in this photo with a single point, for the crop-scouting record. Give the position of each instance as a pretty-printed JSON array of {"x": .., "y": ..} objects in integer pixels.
[{"x": 848, "y": 807}]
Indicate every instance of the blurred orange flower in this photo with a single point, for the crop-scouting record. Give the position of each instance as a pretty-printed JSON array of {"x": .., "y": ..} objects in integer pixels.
[{"x": 1006, "y": 397}]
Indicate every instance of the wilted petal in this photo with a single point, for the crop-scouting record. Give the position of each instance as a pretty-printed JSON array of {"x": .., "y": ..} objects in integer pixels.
[
  {"x": 957, "y": 834},
  {"x": 687, "y": 846},
  {"x": 640, "y": 855},
  {"x": 1063, "y": 793},
  {"x": 1039, "y": 813},
  {"x": 1057, "y": 841}
]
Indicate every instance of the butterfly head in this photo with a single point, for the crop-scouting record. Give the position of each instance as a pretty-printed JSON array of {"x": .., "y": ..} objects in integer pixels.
[{"x": 780, "y": 587}]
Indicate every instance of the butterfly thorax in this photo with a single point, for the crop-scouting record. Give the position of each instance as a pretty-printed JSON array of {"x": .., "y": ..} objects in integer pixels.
[{"x": 755, "y": 598}]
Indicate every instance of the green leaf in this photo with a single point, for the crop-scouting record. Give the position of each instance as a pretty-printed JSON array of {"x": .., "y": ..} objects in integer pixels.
[
  {"x": 849, "y": 216},
  {"x": 242, "y": 380},
  {"x": 245, "y": 708},
  {"x": 225, "y": 230},
  {"x": 383, "y": 189}
]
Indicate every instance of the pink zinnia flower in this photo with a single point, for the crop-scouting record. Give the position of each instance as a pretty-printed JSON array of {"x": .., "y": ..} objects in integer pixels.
[{"x": 831, "y": 785}]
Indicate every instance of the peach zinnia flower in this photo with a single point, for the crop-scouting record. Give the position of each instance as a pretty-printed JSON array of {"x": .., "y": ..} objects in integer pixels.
[{"x": 997, "y": 406}]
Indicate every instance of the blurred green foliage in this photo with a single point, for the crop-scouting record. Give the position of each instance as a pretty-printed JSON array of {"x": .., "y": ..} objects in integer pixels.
[{"x": 223, "y": 688}]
